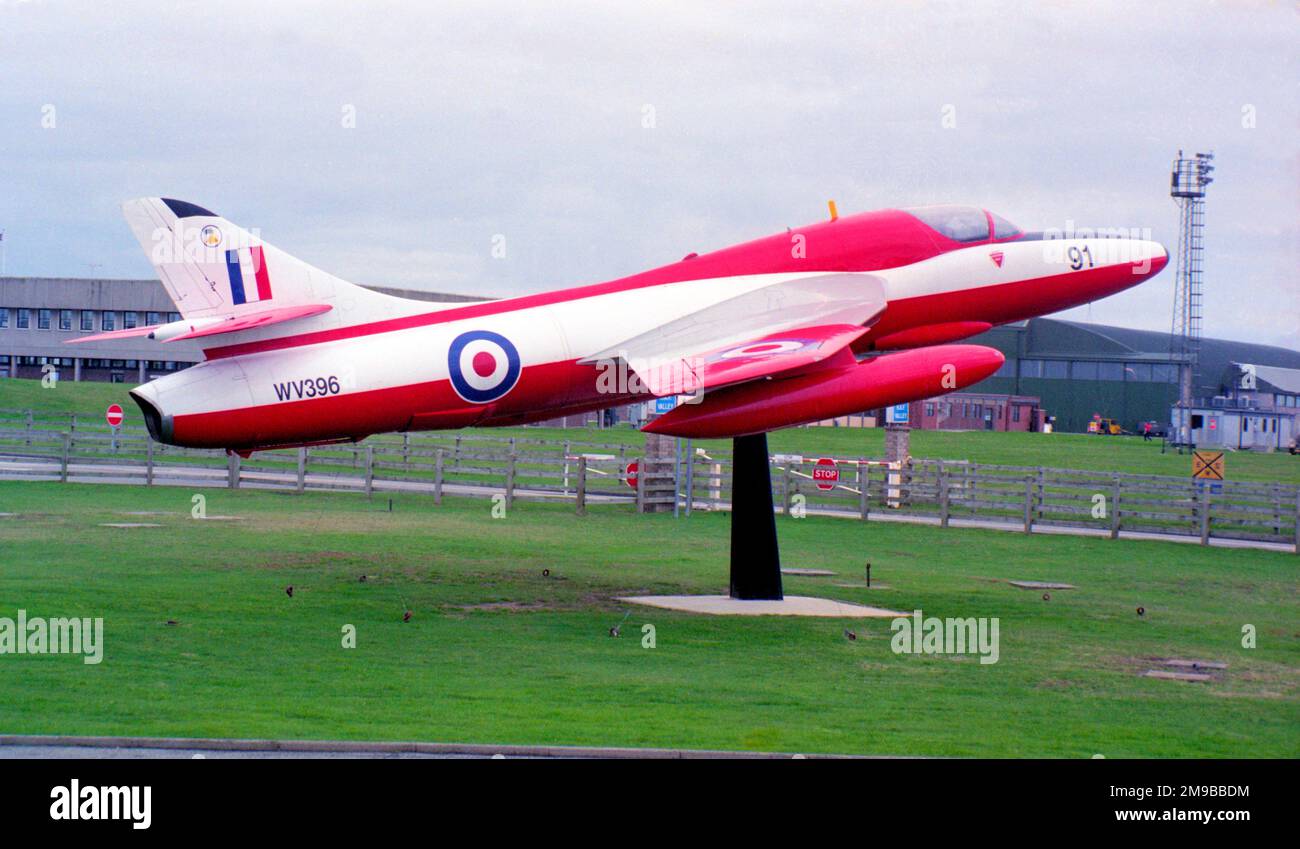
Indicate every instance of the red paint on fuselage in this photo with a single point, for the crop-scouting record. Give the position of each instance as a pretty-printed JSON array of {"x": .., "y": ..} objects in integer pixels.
[{"x": 869, "y": 241}]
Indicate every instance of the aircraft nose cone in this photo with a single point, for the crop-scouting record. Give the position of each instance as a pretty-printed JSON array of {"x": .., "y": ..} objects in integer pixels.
[{"x": 1150, "y": 257}]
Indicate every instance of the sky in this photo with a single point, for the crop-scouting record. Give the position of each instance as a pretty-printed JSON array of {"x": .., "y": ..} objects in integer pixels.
[{"x": 412, "y": 144}]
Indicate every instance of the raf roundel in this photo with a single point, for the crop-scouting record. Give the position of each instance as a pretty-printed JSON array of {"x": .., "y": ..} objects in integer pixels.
[
  {"x": 484, "y": 366},
  {"x": 764, "y": 349}
]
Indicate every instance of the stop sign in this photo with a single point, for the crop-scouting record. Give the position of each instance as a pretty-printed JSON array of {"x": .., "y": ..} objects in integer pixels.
[
  {"x": 113, "y": 415},
  {"x": 826, "y": 474},
  {"x": 631, "y": 474}
]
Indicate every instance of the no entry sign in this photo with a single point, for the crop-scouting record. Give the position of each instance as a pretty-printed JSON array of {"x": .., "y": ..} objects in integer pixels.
[
  {"x": 826, "y": 474},
  {"x": 631, "y": 474},
  {"x": 113, "y": 415}
]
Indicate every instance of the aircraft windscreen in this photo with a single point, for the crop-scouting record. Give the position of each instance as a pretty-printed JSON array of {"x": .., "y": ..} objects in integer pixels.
[
  {"x": 1002, "y": 228},
  {"x": 959, "y": 223}
]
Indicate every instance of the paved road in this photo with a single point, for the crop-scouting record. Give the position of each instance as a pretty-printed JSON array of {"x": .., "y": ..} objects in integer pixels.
[
  {"x": 122, "y": 753},
  {"x": 21, "y": 746},
  {"x": 27, "y": 468}
]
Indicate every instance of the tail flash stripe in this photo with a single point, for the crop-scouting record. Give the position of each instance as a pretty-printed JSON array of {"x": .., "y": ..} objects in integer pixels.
[
  {"x": 236, "y": 278},
  {"x": 263, "y": 278}
]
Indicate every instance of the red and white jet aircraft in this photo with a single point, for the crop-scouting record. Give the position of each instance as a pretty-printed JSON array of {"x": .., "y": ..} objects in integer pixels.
[{"x": 840, "y": 316}]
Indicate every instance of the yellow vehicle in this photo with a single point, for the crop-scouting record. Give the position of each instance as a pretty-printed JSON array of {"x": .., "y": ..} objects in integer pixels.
[{"x": 1109, "y": 427}]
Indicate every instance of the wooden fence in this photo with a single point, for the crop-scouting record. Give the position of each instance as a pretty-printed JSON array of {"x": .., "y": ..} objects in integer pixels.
[{"x": 550, "y": 467}]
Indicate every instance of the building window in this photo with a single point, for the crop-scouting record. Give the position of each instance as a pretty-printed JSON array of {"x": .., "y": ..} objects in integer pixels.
[
  {"x": 1031, "y": 368},
  {"x": 24, "y": 318},
  {"x": 153, "y": 318},
  {"x": 42, "y": 319},
  {"x": 129, "y": 319},
  {"x": 1084, "y": 369},
  {"x": 65, "y": 319},
  {"x": 1138, "y": 371},
  {"x": 1056, "y": 369},
  {"x": 4, "y": 316},
  {"x": 106, "y": 320},
  {"x": 1007, "y": 369},
  {"x": 1015, "y": 412},
  {"x": 1164, "y": 373},
  {"x": 87, "y": 319},
  {"x": 929, "y": 408},
  {"x": 1110, "y": 371},
  {"x": 173, "y": 316}
]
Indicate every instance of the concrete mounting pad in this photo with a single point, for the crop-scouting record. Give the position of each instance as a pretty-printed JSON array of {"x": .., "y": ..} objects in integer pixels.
[
  {"x": 808, "y": 573},
  {"x": 1192, "y": 664},
  {"x": 1177, "y": 676},
  {"x": 1040, "y": 585},
  {"x": 791, "y": 605}
]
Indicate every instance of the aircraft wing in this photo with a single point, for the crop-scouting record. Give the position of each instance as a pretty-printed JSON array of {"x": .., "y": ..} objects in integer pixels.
[
  {"x": 781, "y": 327},
  {"x": 212, "y": 325}
]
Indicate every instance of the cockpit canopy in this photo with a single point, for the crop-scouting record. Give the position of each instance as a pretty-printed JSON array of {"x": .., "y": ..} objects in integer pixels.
[{"x": 964, "y": 223}]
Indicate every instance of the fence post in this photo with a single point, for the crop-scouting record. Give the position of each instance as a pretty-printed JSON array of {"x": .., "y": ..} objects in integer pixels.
[
  {"x": 67, "y": 446},
  {"x": 301, "y": 483},
  {"x": 29, "y": 427},
  {"x": 1029, "y": 504},
  {"x": 148, "y": 461},
  {"x": 439, "y": 454},
  {"x": 864, "y": 483},
  {"x": 640, "y": 486},
  {"x": 406, "y": 451},
  {"x": 1040, "y": 495},
  {"x": 677, "y": 476},
  {"x": 786, "y": 494},
  {"x": 1205, "y": 515},
  {"x": 1297, "y": 521},
  {"x": 582, "y": 486},
  {"x": 690, "y": 476},
  {"x": 943, "y": 497},
  {"x": 232, "y": 470},
  {"x": 1114, "y": 506},
  {"x": 510, "y": 477},
  {"x": 370, "y": 471}
]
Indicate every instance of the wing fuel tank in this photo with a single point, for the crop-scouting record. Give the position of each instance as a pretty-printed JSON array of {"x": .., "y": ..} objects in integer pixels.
[{"x": 826, "y": 393}]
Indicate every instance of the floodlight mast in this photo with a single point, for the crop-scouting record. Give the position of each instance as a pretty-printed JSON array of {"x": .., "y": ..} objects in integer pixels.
[{"x": 1187, "y": 183}]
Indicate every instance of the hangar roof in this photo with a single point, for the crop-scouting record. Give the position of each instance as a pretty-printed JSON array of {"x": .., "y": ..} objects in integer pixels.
[
  {"x": 1279, "y": 379},
  {"x": 1054, "y": 337}
]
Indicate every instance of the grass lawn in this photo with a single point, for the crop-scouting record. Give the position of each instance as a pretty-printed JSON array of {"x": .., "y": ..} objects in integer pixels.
[{"x": 496, "y": 652}]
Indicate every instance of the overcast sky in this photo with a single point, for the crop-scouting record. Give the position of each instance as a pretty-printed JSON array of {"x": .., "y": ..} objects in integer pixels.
[{"x": 531, "y": 122}]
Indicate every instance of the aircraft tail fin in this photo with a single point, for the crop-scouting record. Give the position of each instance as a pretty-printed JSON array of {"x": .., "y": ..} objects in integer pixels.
[{"x": 212, "y": 267}]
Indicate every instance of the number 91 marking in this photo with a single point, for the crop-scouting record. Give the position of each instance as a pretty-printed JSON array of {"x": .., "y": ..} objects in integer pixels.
[{"x": 1077, "y": 257}]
